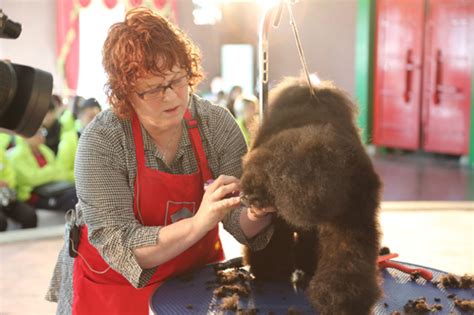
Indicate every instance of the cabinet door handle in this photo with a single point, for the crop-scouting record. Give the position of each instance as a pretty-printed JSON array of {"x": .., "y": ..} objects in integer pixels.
[
  {"x": 438, "y": 73},
  {"x": 409, "y": 67}
]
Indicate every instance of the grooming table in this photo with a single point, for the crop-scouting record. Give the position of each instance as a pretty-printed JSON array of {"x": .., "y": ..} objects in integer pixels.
[{"x": 188, "y": 295}]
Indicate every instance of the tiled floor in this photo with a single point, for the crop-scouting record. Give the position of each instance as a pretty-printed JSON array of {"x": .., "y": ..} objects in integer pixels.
[
  {"x": 438, "y": 234},
  {"x": 423, "y": 176},
  {"x": 25, "y": 270}
]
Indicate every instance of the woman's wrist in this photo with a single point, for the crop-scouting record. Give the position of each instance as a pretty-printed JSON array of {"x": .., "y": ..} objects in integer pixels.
[
  {"x": 252, "y": 224},
  {"x": 256, "y": 215}
]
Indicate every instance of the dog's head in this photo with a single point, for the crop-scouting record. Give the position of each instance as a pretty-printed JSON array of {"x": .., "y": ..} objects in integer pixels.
[{"x": 291, "y": 106}]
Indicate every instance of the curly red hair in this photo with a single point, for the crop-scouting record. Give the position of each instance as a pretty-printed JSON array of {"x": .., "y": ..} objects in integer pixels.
[{"x": 144, "y": 43}]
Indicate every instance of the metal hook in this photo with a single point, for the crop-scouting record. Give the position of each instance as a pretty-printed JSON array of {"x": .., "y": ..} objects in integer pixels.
[
  {"x": 277, "y": 13},
  {"x": 300, "y": 49}
]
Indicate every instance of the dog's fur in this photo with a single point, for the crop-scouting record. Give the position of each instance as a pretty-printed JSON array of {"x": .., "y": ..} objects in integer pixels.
[{"x": 309, "y": 163}]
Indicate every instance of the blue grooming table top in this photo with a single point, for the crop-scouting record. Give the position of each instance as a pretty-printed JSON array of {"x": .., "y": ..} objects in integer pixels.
[{"x": 189, "y": 295}]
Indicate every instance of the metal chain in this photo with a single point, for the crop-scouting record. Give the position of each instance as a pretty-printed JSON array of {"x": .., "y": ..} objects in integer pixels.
[{"x": 300, "y": 49}]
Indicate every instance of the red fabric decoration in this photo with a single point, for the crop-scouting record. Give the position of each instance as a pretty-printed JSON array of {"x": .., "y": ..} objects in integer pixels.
[
  {"x": 160, "y": 3},
  {"x": 110, "y": 3},
  {"x": 63, "y": 26},
  {"x": 84, "y": 3},
  {"x": 135, "y": 3}
]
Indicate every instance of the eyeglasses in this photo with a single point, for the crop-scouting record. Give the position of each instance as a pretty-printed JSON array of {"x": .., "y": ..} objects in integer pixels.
[{"x": 158, "y": 93}]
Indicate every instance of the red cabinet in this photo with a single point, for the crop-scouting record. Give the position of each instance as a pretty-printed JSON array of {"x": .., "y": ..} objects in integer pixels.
[
  {"x": 424, "y": 55},
  {"x": 449, "y": 53},
  {"x": 399, "y": 54}
]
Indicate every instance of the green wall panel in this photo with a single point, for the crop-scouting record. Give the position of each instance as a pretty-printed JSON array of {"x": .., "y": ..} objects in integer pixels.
[{"x": 364, "y": 64}]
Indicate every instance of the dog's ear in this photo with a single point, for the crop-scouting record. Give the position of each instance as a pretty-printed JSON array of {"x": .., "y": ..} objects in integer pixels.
[
  {"x": 319, "y": 176},
  {"x": 255, "y": 178},
  {"x": 304, "y": 175}
]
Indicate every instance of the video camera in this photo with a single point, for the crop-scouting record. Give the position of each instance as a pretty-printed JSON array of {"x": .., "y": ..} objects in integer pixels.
[{"x": 25, "y": 92}]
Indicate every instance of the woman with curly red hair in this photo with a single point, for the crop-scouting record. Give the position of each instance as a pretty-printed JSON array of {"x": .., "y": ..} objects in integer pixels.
[{"x": 143, "y": 213}]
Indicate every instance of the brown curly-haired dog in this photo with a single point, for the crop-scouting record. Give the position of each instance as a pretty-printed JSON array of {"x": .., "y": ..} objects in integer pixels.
[{"x": 309, "y": 163}]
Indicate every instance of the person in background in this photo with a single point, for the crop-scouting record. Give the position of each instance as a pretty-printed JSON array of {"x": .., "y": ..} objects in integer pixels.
[
  {"x": 67, "y": 153},
  {"x": 217, "y": 91},
  {"x": 246, "y": 110},
  {"x": 68, "y": 118},
  {"x": 87, "y": 111},
  {"x": 141, "y": 168},
  {"x": 35, "y": 165},
  {"x": 52, "y": 125},
  {"x": 221, "y": 99},
  {"x": 76, "y": 104},
  {"x": 235, "y": 91},
  {"x": 69, "y": 140},
  {"x": 6, "y": 141},
  {"x": 10, "y": 207}
]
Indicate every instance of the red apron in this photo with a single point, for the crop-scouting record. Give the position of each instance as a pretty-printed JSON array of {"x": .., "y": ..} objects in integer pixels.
[{"x": 160, "y": 199}]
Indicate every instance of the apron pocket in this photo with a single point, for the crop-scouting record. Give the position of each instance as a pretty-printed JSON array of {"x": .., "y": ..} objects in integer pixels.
[{"x": 91, "y": 298}]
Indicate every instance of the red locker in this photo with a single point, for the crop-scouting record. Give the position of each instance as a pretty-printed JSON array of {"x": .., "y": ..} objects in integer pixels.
[
  {"x": 397, "y": 86},
  {"x": 449, "y": 50}
]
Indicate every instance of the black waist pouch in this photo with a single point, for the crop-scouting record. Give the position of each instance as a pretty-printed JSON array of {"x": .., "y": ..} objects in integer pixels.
[{"x": 53, "y": 189}]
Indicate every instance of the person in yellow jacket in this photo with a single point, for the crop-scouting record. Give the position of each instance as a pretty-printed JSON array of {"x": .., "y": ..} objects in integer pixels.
[
  {"x": 246, "y": 113},
  {"x": 10, "y": 207},
  {"x": 41, "y": 181},
  {"x": 5, "y": 140},
  {"x": 67, "y": 121},
  {"x": 69, "y": 139},
  {"x": 67, "y": 154}
]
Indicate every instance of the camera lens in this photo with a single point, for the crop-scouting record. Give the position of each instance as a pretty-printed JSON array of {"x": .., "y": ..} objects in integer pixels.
[
  {"x": 25, "y": 92},
  {"x": 24, "y": 112},
  {"x": 8, "y": 85}
]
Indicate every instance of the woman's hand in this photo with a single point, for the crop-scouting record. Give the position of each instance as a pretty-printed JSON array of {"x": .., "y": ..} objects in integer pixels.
[
  {"x": 214, "y": 204},
  {"x": 254, "y": 220},
  {"x": 255, "y": 214}
]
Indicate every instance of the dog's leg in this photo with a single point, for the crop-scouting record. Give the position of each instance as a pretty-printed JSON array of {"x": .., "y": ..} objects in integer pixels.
[
  {"x": 346, "y": 280},
  {"x": 275, "y": 261},
  {"x": 305, "y": 252}
]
